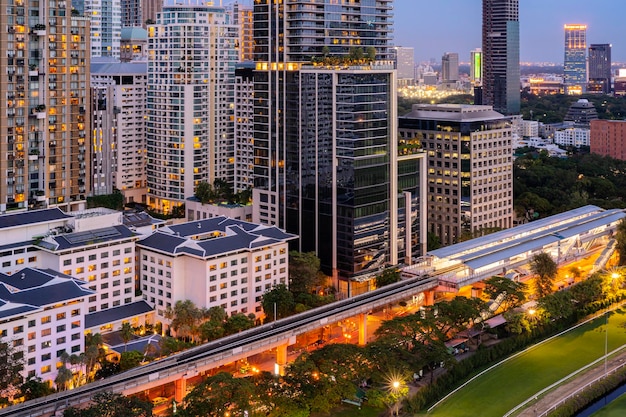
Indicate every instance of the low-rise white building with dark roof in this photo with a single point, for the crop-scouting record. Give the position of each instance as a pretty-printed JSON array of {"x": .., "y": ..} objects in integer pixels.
[
  {"x": 213, "y": 262},
  {"x": 42, "y": 314}
]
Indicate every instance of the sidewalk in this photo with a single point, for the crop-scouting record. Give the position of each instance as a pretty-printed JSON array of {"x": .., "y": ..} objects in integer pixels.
[{"x": 563, "y": 391}]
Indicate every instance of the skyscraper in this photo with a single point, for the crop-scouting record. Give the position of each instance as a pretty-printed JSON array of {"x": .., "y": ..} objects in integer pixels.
[
  {"x": 325, "y": 137},
  {"x": 575, "y": 64},
  {"x": 450, "y": 67},
  {"x": 599, "y": 68},
  {"x": 44, "y": 154},
  {"x": 191, "y": 71},
  {"x": 501, "y": 70}
]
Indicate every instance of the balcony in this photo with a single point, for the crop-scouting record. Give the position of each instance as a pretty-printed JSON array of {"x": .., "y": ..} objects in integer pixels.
[{"x": 39, "y": 29}]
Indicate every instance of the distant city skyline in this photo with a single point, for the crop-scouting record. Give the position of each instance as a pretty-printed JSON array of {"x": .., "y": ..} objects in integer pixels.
[{"x": 433, "y": 28}]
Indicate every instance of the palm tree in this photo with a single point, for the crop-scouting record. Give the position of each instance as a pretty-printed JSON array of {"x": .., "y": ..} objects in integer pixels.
[
  {"x": 546, "y": 269},
  {"x": 93, "y": 352},
  {"x": 126, "y": 331},
  {"x": 64, "y": 376}
]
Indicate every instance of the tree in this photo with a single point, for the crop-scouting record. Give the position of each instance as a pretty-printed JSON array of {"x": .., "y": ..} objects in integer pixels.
[
  {"x": 389, "y": 276},
  {"x": 557, "y": 305},
  {"x": 304, "y": 272},
  {"x": 620, "y": 237},
  {"x": 515, "y": 292},
  {"x": 11, "y": 366},
  {"x": 218, "y": 395},
  {"x": 64, "y": 376},
  {"x": 108, "y": 404},
  {"x": 370, "y": 53},
  {"x": 93, "y": 353},
  {"x": 545, "y": 270},
  {"x": 238, "y": 322},
  {"x": 129, "y": 360},
  {"x": 280, "y": 300},
  {"x": 185, "y": 317},
  {"x": 432, "y": 241},
  {"x": 126, "y": 332},
  {"x": 204, "y": 192},
  {"x": 211, "y": 330},
  {"x": 34, "y": 387}
]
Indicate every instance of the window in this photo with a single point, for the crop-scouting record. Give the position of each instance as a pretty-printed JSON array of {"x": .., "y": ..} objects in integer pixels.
[
  {"x": 75, "y": 324},
  {"x": 61, "y": 316},
  {"x": 92, "y": 257},
  {"x": 75, "y": 312},
  {"x": 67, "y": 262},
  {"x": 223, "y": 265},
  {"x": 61, "y": 328},
  {"x": 233, "y": 262},
  {"x": 61, "y": 340},
  {"x": 18, "y": 329},
  {"x": 80, "y": 270},
  {"x": 46, "y": 344},
  {"x": 104, "y": 255},
  {"x": 116, "y": 252},
  {"x": 46, "y": 357},
  {"x": 32, "y": 323},
  {"x": 32, "y": 259},
  {"x": 45, "y": 369},
  {"x": 19, "y": 261},
  {"x": 32, "y": 335},
  {"x": 46, "y": 332},
  {"x": 80, "y": 259},
  {"x": 75, "y": 348},
  {"x": 45, "y": 320},
  {"x": 76, "y": 336}
]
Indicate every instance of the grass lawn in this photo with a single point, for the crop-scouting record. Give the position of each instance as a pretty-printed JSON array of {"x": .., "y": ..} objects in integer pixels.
[
  {"x": 617, "y": 408},
  {"x": 504, "y": 387}
]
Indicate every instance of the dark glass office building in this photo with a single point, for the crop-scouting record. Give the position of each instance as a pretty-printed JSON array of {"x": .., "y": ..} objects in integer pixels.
[
  {"x": 501, "y": 70},
  {"x": 325, "y": 138},
  {"x": 599, "y": 68}
]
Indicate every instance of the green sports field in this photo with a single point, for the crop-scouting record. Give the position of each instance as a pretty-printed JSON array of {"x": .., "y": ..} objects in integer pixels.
[{"x": 509, "y": 384}]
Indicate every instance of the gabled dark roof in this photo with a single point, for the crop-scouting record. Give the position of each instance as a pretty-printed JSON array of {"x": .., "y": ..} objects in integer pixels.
[
  {"x": 160, "y": 241},
  {"x": 31, "y": 217},
  {"x": 111, "y": 315},
  {"x": 39, "y": 288},
  {"x": 8, "y": 309},
  {"x": 232, "y": 235}
]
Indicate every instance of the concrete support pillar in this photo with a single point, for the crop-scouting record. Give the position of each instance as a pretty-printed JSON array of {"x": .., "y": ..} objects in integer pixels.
[
  {"x": 362, "y": 329},
  {"x": 180, "y": 390},
  {"x": 429, "y": 297},
  {"x": 281, "y": 359}
]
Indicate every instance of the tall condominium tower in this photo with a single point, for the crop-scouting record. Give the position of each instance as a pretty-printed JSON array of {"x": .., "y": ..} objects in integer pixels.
[
  {"x": 244, "y": 127},
  {"x": 501, "y": 70},
  {"x": 119, "y": 128},
  {"x": 105, "y": 17},
  {"x": 599, "y": 68},
  {"x": 325, "y": 141},
  {"x": 470, "y": 183},
  {"x": 191, "y": 69},
  {"x": 242, "y": 17},
  {"x": 450, "y": 67},
  {"x": 44, "y": 157},
  {"x": 575, "y": 64}
]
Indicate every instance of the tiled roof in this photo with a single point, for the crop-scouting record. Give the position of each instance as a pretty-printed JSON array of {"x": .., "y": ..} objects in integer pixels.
[
  {"x": 196, "y": 238},
  {"x": 31, "y": 217},
  {"x": 116, "y": 313},
  {"x": 32, "y": 289}
]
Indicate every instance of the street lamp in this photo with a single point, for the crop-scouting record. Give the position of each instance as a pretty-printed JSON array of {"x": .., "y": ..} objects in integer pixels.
[{"x": 397, "y": 389}]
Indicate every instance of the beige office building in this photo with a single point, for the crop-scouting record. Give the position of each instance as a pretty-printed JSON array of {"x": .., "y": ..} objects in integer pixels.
[{"x": 470, "y": 166}]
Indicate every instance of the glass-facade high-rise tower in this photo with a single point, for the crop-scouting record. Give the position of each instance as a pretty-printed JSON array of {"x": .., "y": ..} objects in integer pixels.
[
  {"x": 599, "y": 68},
  {"x": 501, "y": 69},
  {"x": 325, "y": 136},
  {"x": 575, "y": 64}
]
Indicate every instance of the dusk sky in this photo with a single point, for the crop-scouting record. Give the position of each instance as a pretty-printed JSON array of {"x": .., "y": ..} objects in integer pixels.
[{"x": 433, "y": 27}]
